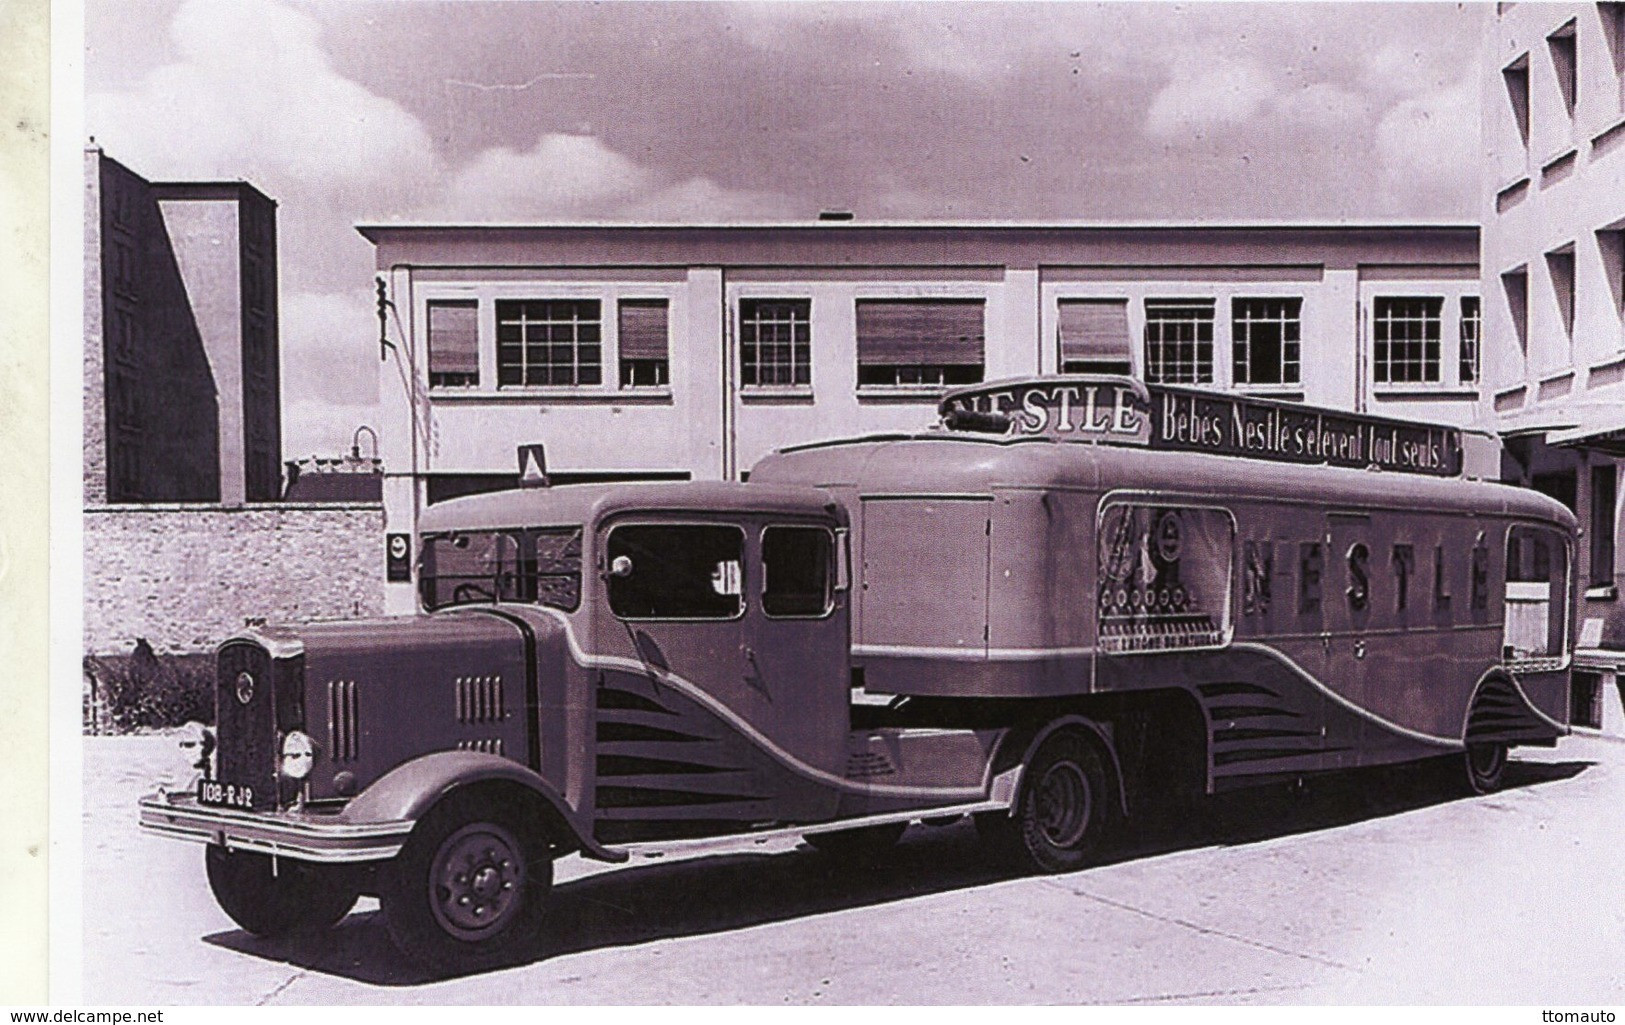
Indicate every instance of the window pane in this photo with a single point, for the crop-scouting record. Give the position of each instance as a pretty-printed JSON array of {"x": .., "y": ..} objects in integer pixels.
[
  {"x": 796, "y": 571},
  {"x": 1179, "y": 341},
  {"x": 773, "y": 341},
  {"x": 527, "y": 565},
  {"x": 1536, "y": 593},
  {"x": 676, "y": 572},
  {"x": 561, "y": 342},
  {"x": 1266, "y": 340},
  {"x": 1405, "y": 339},
  {"x": 1164, "y": 578}
]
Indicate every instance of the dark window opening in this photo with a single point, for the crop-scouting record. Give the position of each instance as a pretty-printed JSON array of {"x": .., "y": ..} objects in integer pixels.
[
  {"x": 675, "y": 572},
  {"x": 796, "y": 564},
  {"x": 1094, "y": 336},
  {"x": 549, "y": 342},
  {"x": 1405, "y": 336},
  {"x": 643, "y": 343},
  {"x": 1604, "y": 499},
  {"x": 1266, "y": 334},
  {"x": 775, "y": 342}
]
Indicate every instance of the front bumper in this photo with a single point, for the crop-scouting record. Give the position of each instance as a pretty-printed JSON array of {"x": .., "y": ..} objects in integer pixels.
[{"x": 307, "y": 836}]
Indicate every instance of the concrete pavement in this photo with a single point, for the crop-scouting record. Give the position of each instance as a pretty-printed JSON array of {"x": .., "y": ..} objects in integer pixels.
[{"x": 1366, "y": 888}]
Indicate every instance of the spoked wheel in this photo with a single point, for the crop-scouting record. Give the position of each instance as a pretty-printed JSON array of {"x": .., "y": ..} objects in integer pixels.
[
  {"x": 862, "y": 844},
  {"x": 1486, "y": 767},
  {"x": 467, "y": 890},
  {"x": 277, "y": 899},
  {"x": 1063, "y": 813}
]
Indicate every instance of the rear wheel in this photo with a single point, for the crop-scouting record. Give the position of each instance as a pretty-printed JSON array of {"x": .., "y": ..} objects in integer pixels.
[
  {"x": 1064, "y": 811},
  {"x": 1485, "y": 766},
  {"x": 276, "y": 898},
  {"x": 865, "y": 843},
  {"x": 467, "y": 890}
]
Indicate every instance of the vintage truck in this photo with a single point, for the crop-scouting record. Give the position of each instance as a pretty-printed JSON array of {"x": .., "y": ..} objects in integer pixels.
[{"x": 1069, "y": 600}]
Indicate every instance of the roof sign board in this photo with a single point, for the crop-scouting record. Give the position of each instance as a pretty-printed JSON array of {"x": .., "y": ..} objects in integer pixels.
[{"x": 1124, "y": 411}]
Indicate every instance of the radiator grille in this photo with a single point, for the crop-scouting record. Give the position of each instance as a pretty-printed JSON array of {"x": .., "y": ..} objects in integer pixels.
[
  {"x": 479, "y": 699},
  {"x": 343, "y": 720}
]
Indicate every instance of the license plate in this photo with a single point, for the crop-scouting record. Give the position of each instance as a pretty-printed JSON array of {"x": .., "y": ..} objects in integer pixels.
[{"x": 227, "y": 795}]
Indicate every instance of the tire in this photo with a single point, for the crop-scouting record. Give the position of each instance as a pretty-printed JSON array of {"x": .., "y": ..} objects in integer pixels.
[
  {"x": 1064, "y": 812},
  {"x": 1484, "y": 767},
  {"x": 866, "y": 843},
  {"x": 282, "y": 899},
  {"x": 468, "y": 889}
]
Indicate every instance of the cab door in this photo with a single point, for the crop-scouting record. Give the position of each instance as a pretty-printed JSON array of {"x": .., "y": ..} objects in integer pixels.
[{"x": 697, "y": 723}]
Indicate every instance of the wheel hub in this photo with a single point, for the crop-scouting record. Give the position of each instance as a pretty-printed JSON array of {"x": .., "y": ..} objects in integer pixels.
[
  {"x": 478, "y": 877},
  {"x": 1063, "y": 805}
]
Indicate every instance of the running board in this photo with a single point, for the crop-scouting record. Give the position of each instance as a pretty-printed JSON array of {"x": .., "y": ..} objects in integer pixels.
[{"x": 1001, "y": 795}]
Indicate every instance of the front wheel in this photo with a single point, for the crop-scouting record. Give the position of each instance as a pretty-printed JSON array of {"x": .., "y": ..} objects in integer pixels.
[
  {"x": 276, "y": 898},
  {"x": 1064, "y": 811},
  {"x": 466, "y": 891}
]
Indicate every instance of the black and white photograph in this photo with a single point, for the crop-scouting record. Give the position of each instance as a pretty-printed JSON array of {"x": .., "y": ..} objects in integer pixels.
[{"x": 830, "y": 504}]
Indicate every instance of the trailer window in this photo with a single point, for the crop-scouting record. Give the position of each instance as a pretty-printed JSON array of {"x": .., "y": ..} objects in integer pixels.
[
  {"x": 1164, "y": 577},
  {"x": 796, "y": 571},
  {"x": 1536, "y": 594},
  {"x": 675, "y": 572},
  {"x": 521, "y": 564}
]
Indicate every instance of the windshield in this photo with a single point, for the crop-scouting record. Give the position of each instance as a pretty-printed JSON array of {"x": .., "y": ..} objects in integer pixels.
[{"x": 534, "y": 564}]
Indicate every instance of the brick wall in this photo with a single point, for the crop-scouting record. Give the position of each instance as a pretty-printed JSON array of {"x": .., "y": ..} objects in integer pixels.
[{"x": 186, "y": 577}]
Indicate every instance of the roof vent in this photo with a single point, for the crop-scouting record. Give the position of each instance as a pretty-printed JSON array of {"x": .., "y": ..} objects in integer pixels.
[{"x": 835, "y": 215}]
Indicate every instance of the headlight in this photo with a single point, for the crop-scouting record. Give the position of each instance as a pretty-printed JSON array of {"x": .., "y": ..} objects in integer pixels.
[
  {"x": 197, "y": 747},
  {"x": 298, "y": 755}
]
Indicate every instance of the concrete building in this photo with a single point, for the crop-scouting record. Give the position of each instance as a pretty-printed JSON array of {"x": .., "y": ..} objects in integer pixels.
[
  {"x": 181, "y": 369},
  {"x": 1553, "y": 207},
  {"x": 673, "y": 352}
]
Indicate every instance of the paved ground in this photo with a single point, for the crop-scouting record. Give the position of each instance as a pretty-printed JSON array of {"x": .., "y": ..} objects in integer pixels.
[{"x": 1367, "y": 889}]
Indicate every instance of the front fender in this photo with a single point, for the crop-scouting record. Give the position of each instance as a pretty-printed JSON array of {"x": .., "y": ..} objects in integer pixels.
[{"x": 409, "y": 790}]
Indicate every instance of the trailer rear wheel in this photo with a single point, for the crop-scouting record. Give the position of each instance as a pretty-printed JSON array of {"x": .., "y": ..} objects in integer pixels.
[
  {"x": 1063, "y": 812},
  {"x": 277, "y": 899},
  {"x": 1485, "y": 766},
  {"x": 466, "y": 891}
]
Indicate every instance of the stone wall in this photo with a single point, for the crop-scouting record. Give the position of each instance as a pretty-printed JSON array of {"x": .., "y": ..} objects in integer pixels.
[{"x": 187, "y": 576}]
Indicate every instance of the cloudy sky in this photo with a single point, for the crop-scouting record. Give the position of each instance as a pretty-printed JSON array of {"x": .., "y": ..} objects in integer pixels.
[{"x": 347, "y": 112}]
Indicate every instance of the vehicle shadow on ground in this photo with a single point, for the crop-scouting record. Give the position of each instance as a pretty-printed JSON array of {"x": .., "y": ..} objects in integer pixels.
[{"x": 655, "y": 900}]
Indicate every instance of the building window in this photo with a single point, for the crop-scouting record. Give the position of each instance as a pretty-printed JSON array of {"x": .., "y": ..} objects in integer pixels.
[
  {"x": 1265, "y": 334},
  {"x": 1565, "y": 64},
  {"x": 1179, "y": 341},
  {"x": 123, "y": 259},
  {"x": 123, "y": 337},
  {"x": 1613, "y": 35},
  {"x": 1515, "y": 77},
  {"x": 1094, "y": 336},
  {"x": 1405, "y": 333},
  {"x": 1611, "y": 245},
  {"x": 1515, "y": 284},
  {"x": 645, "y": 359},
  {"x": 549, "y": 341},
  {"x": 919, "y": 341},
  {"x": 1604, "y": 501},
  {"x": 775, "y": 342},
  {"x": 1560, "y": 268},
  {"x": 454, "y": 344},
  {"x": 1472, "y": 325}
]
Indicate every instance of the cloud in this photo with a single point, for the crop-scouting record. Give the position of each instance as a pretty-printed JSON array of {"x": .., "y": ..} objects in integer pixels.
[
  {"x": 329, "y": 347},
  {"x": 1432, "y": 140},
  {"x": 254, "y": 95},
  {"x": 578, "y": 176},
  {"x": 1246, "y": 93}
]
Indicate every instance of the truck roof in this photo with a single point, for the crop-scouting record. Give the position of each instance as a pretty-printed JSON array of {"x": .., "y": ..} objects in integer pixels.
[
  {"x": 939, "y": 462},
  {"x": 571, "y": 504}
]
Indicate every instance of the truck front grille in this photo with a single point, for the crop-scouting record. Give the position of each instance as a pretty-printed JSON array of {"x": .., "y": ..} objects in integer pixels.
[{"x": 343, "y": 721}]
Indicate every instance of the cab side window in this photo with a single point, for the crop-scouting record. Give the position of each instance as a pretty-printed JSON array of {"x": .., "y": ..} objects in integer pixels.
[
  {"x": 675, "y": 572},
  {"x": 1536, "y": 594},
  {"x": 796, "y": 565}
]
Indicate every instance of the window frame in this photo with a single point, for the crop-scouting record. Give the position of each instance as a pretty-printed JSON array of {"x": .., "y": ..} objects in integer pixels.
[
  {"x": 924, "y": 370},
  {"x": 1241, "y": 347},
  {"x": 1563, "y": 586},
  {"x": 429, "y": 306},
  {"x": 780, "y": 387},
  {"x": 1211, "y": 301},
  {"x": 1132, "y": 499},
  {"x": 1438, "y": 361},
  {"x": 575, "y": 344},
  {"x": 1476, "y": 364},
  {"x": 831, "y": 588},
  {"x": 623, "y": 364},
  {"x": 744, "y": 570}
]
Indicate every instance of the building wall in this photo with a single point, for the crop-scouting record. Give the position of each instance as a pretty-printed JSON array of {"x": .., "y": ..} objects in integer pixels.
[
  {"x": 1553, "y": 197},
  {"x": 705, "y": 423},
  {"x": 180, "y": 298},
  {"x": 185, "y": 577}
]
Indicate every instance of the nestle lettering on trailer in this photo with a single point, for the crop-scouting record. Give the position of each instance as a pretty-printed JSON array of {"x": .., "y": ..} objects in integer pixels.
[
  {"x": 1118, "y": 409},
  {"x": 1123, "y": 411}
]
